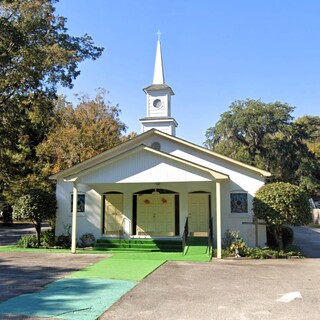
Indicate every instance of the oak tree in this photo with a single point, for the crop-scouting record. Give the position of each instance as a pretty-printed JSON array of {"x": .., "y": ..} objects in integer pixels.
[
  {"x": 265, "y": 135},
  {"x": 36, "y": 55}
]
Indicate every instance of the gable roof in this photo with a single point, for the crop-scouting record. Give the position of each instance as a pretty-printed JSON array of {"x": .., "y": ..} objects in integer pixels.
[
  {"x": 157, "y": 163},
  {"x": 125, "y": 148}
]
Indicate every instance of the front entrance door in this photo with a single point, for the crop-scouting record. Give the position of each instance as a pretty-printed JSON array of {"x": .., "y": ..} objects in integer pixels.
[
  {"x": 156, "y": 214},
  {"x": 198, "y": 214},
  {"x": 113, "y": 213}
]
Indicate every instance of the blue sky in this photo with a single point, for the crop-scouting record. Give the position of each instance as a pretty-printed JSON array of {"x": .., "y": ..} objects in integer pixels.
[{"x": 214, "y": 52}]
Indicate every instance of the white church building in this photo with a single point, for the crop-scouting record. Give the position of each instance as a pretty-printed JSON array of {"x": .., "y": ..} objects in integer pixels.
[{"x": 155, "y": 184}]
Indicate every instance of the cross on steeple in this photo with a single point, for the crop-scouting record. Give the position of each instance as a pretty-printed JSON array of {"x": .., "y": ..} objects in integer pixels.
[{"x": 158, "y": 33}]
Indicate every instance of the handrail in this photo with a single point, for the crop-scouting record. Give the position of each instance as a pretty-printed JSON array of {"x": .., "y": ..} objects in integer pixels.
[
  {"x": 185, "y": 234},
  {"x": 210, "y": 236},
  {"x": 121, "y": 229}
]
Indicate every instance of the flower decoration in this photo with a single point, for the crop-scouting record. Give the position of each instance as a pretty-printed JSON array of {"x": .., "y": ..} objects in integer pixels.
[{"x": 164, "y": 200}]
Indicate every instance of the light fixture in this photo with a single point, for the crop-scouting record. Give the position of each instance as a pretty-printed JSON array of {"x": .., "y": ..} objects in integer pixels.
[{"x": 155, "y": 192}]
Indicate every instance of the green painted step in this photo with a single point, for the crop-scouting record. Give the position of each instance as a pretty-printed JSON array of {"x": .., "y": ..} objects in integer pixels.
[{"x": 167, "y": 245}]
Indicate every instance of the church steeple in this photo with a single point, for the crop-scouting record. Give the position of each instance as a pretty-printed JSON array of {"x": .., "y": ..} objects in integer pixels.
[
  {"x": 159, "y": 100},
  {"x": 158, "y": 75}
]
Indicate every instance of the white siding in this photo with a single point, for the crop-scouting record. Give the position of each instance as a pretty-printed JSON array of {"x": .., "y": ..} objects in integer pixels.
[
  {"x": 144, "y": 167},
  {"x": 88, "y": 221}
]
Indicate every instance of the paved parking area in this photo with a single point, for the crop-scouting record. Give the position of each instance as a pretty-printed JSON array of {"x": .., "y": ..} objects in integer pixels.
[
  {"x": 11, "y": 234},
  {"x": 308, "y": 239},
  {"x": 26, "y": 272},
  {"x": 225, "y": 290},
  {"x": 221, "y": 289}
]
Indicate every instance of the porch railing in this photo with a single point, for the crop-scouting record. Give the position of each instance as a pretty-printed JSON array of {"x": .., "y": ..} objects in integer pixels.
[
  {"x": 210, "y": 237},
  {"x": 185, "y": 235},
  {"x": 121, "y": 229}
]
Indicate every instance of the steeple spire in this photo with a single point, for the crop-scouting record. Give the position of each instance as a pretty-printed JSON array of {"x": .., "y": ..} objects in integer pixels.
[
  {"x": 158, "y": 75},
  {"x": 159, "y": 100}
]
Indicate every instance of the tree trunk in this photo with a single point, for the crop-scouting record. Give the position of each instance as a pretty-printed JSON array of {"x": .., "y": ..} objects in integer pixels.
[
  {"x": 278, "y": 236},
  {"x": 38, "y": 230}
]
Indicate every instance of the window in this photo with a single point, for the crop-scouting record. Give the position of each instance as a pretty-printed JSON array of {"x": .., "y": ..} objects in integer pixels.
[
  {"x": 156, "y": 145},
  {"x": 81, "y": 202},
  {"x": 239, "y": 202}
]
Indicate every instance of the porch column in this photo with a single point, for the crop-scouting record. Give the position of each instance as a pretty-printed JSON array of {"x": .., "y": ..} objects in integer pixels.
[
  {"x": 218, "y": 213},
  {"x": 74, "y": 218}
]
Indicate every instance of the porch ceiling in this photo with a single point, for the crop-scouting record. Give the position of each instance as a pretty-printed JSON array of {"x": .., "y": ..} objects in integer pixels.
[{"x": 144, "y": 164}]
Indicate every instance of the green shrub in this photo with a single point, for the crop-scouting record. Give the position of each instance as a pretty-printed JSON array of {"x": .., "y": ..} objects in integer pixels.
[
  {"x": 263, "y": 253},
  {"x": 48, "y": 238},
  {"x": 28, "y": 241},
  {"x": 87, "y": 240},
  {"x": 234, "y": 246},
  {"x": 267, "y": 253},
  {"x": 279, "y": 204},
  {"x": 225, "y": 253},
  {"x": 64, "y": 241},
  {"x": 233, "y": 243},
  {"x": 227, "y": 239}
]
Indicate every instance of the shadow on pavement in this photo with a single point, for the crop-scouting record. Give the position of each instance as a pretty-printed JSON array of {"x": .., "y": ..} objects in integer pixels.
[
  {"x": 308, "y": 240},
  {"x": 9, "y": 235}
]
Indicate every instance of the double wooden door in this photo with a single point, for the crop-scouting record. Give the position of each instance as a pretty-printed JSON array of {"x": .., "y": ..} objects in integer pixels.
[{"x": 156, "y": 214}]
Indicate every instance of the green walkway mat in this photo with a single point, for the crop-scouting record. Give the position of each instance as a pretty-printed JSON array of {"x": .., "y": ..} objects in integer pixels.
[
  {"x": 87, "y": 293},
  {"x": 197, "y": 247},
  {"x": 69, "y": 299},
  {"x": 123, "y": 269}
]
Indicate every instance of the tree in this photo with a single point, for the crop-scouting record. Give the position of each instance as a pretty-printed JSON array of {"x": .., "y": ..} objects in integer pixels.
[
  {"x": 79, "y": 133},
  {"x": 264, "y": 135},
  {"x": 282, "y": 203},
  {"x": 291, "y": 160},
  {"x": 36, "y": 54},
  {"x": 246, "y": 127},
  {"x": 38, "y": 206},
  {"x": 312, "y": 126}
]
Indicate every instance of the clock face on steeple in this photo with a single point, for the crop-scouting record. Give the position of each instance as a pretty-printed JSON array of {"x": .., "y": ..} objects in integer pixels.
[{"x": 157, "y": 103}]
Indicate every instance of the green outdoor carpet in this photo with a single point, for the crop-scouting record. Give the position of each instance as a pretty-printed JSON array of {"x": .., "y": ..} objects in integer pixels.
[
  {"x": 196, "y": 250},
  {"x": 87, "y": 293},
  {"x": 69, "y": 299},
  {"x": 196, "y": 254},
  {"x": 122, "y": 269}
]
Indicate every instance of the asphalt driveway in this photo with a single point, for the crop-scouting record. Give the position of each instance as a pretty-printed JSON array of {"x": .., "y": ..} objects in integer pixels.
[
  {"x": 221, "y": 289},
  {"x": 308, "y": 240},
  {"x": 25, "y": 272},
  {"x": 11, "y": 234}
]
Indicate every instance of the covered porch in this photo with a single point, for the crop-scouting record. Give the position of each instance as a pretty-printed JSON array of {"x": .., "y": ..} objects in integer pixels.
[
  {"x": 146, "y": 193},
  {"x": 156, "y": 212}
]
